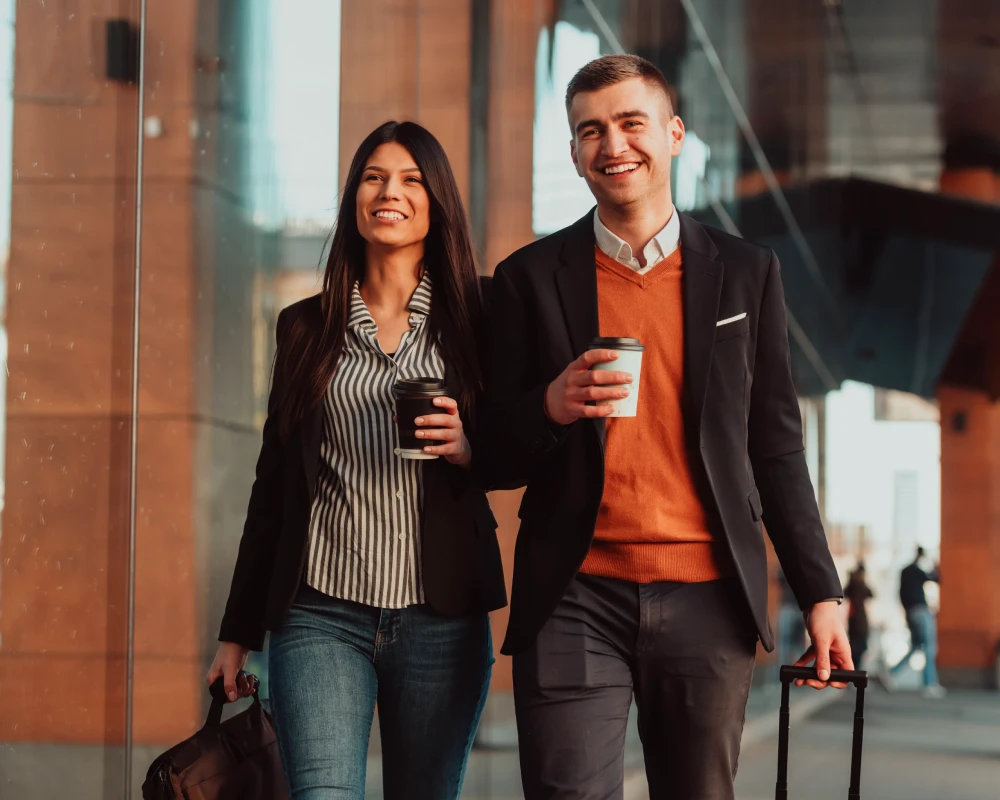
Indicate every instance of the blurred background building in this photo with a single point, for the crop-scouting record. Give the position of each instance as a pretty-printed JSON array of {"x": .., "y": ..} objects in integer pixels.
[{"x": 156, "y": 214}]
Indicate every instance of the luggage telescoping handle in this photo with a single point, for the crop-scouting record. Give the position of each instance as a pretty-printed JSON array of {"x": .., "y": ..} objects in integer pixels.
[{"x": 860, "y": 679}]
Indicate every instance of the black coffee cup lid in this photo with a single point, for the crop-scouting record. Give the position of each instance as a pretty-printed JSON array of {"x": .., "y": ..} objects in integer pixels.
[
  {"x": 615, "y": 343},
  {"x": 420, "y": 387}
]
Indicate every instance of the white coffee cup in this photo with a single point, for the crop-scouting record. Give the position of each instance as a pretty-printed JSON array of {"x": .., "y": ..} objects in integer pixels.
[{"x": 629, "y": 360}]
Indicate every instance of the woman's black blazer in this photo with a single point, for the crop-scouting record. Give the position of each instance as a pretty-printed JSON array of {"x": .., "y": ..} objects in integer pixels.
[{"x": 462, "y": 570}]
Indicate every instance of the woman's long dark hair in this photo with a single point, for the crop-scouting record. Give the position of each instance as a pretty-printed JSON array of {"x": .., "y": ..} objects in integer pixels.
[{"x": 308, "y": 357}]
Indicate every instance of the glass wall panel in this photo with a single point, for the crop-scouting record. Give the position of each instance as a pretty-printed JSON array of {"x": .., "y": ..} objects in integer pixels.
[
  {"x": 68, "y": 156},
  {"x": 253, "y": 113},
  {"x": 240, "y": 190}
]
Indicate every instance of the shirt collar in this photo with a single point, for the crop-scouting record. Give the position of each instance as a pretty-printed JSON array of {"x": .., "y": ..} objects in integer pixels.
[
  {"x": 419, "y": 305},
  {"x": 659, "y": 247},
  {"x": 420, "y": 302}
]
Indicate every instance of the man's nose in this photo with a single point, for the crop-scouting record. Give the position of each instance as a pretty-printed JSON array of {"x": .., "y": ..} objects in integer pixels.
[{"x": 614, "y": 144}]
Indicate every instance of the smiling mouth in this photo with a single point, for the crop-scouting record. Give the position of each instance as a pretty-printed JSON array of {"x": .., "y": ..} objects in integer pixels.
[
  {"x": 620, "y": 169},
  {"x": 389, "y": 216}
]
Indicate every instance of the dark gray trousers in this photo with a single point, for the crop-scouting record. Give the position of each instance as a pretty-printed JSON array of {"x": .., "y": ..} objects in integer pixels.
[{"x": 687, "y": 653}]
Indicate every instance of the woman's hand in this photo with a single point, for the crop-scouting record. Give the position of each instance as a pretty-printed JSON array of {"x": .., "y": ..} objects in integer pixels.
[
  {"x": 446, "y": 428},
  {"x": 230, "y": 659}
]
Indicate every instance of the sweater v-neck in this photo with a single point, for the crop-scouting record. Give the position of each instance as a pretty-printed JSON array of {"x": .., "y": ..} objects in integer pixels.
[{"x": 670, "y": 265}]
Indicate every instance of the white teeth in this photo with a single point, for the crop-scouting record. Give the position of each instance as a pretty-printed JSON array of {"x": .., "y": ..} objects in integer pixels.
[
  {"x": 618, "y": 168},
  {"x": 392, "y": 215}
]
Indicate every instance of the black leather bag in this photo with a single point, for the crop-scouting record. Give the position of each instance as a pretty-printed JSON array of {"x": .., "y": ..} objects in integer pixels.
[{"x": 233, "y": 760}]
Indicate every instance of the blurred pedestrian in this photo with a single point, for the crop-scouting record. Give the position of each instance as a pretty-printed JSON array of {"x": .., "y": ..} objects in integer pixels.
[
  {"x": 921, "y": 622},
  {"x": 857, "y": 593}
]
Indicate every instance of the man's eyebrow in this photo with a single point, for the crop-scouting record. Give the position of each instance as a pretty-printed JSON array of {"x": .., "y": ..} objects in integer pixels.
[{"x": 615, "y": 118}]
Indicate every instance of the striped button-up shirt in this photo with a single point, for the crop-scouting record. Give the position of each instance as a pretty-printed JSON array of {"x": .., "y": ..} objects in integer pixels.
[{"x": 364, "y": 532}]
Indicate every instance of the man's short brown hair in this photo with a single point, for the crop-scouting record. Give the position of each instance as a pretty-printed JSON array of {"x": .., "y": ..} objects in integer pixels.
[{"x": 609, "y": 70}]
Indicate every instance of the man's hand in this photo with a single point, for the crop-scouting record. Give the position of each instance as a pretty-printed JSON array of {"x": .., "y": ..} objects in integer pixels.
[
  {"x": 830, "y": 647},
  {"x": 567, "y": 396}
]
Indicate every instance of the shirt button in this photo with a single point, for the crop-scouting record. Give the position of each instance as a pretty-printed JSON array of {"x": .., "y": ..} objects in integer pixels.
[
  {"x": 399, "y": 495},
  {"x": 396, "y": 451},
  {"x": 402, "y": 536}
]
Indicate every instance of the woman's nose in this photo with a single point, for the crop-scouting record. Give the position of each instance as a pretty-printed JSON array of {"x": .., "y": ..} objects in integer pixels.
[{"x": 390, "y": 189}]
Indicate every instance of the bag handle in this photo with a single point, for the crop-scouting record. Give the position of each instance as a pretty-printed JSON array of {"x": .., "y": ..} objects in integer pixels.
[
  {"x": 789, "y": 674},
  {"x": 219, "y": 699}
]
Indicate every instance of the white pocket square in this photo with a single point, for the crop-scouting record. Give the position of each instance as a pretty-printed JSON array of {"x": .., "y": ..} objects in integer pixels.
[{"x": 737, "y": 318}]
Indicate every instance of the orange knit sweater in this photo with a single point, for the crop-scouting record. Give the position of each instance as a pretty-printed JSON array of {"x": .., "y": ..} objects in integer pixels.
[{"x": 651, "y": 524}]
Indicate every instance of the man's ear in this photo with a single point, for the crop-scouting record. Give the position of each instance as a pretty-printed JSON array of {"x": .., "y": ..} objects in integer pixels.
[
  {"x": 676, "y": 127},
  {"x": 572, "y": 154}
]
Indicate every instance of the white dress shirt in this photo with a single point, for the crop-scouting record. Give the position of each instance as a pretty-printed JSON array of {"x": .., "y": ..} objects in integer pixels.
[{"x": 659, "y": 247}]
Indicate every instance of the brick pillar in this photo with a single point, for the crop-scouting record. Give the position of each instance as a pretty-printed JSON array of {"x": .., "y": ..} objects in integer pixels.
[
  {"x": 514, "y": 28},
  {"x": 969, "y": 619},
  {"x": 407, "y": 61},
  {"x": 168, "y": 691},
  {"x": 70, "y": 322}
]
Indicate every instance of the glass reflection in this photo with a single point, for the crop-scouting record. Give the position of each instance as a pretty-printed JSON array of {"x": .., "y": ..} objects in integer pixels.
[{"x": 68, "y": 156}]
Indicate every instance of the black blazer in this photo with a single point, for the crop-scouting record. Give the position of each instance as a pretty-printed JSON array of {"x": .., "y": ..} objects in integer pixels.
[
  {"x": 740, "y": 411},
  {"x": 462, "y": 570}
]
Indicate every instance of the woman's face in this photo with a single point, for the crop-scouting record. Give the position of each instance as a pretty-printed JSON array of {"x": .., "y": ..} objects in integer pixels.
[{"x": 393, "y": 207}]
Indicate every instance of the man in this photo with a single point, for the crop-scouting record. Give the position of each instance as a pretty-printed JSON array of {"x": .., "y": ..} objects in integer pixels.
[
  {"x": 640, "y": 565},
  {"x": 921, "y": 622}
]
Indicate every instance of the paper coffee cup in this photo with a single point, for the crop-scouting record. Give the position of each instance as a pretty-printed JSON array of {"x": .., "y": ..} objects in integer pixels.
[
  {"x": 415, "y": 398},
  {"x": 629, "y": 360}
]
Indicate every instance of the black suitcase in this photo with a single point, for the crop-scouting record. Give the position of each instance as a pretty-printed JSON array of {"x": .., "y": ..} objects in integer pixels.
[{"x": 860, "y": 680}]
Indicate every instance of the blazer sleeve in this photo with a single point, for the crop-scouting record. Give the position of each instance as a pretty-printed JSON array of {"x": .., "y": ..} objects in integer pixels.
[
  {"x": 777, "y": 455},
  {"x": 518, "y": 435},
  {"x": 243, "y": 621}
]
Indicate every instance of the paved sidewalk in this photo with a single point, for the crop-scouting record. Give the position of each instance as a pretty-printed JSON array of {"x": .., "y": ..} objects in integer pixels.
[
  {"x": 493, "y": 768},
  {"x": 914, "y": 749}
]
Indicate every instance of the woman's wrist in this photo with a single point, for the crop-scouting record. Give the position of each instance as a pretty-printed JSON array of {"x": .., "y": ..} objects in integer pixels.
[{"x": 464, "y": 458}]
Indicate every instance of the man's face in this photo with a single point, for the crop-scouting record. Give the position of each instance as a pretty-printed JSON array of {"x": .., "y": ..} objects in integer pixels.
[{"x": 623, "y": 139}]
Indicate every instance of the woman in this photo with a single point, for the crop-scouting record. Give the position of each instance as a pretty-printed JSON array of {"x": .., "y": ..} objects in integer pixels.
[{"x": 374, "y": 573}]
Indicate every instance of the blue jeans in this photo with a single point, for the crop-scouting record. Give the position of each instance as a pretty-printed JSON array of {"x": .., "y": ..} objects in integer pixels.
[
  {"x": 330, "y": 664},
  {"x": 923, "y": 636}
]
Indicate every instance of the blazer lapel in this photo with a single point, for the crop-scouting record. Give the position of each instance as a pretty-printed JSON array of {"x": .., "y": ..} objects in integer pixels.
[
  {"x": 576, "y": 281},
  {"x": 310, "y": 436},
  {"x": 702, "y": 288}
]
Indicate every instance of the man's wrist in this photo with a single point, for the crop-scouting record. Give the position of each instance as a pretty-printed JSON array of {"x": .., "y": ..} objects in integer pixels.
[
  {"x": 828, "y": 601},
  {"x": 545, "y": 406},
  {"x": 554, "y": 425}
]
